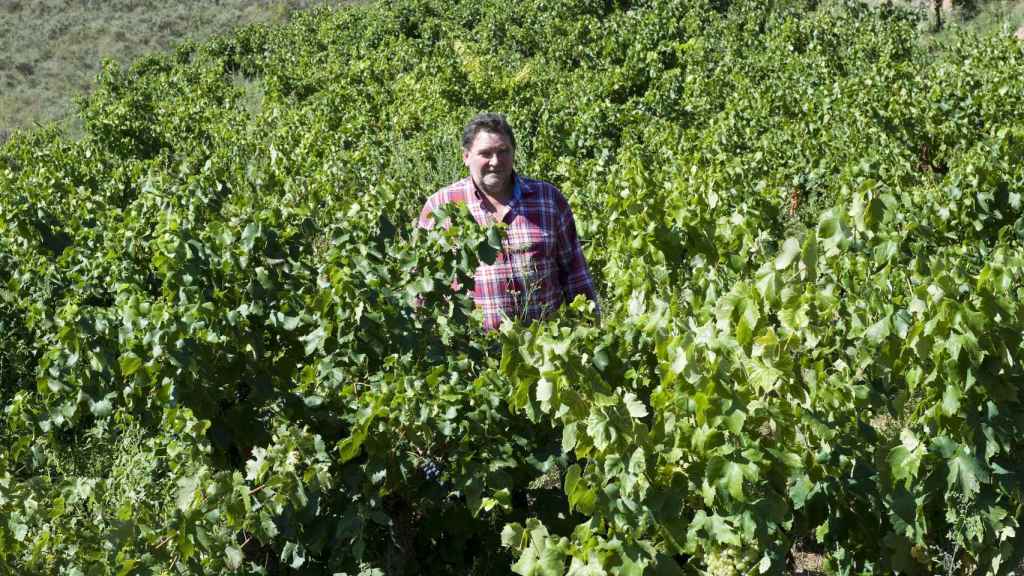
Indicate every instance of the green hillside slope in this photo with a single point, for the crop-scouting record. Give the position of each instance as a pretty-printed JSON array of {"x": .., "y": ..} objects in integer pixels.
[
  {"x": 51, "y": 50},
  {"x": 225, "y": 347}
]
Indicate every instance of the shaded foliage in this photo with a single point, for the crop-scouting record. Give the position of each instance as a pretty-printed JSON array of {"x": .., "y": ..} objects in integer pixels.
[{"x": 232, "y": 351}]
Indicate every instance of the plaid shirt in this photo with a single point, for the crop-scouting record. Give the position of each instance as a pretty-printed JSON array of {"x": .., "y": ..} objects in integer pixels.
[{"x": 541, "y": 263}]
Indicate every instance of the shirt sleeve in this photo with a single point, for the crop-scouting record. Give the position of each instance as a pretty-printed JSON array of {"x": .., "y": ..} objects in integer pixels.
[
  {"x": 572, "y": 266},
  {"x": 455, "y": 193},
  {"x": 426, "y": 220}
]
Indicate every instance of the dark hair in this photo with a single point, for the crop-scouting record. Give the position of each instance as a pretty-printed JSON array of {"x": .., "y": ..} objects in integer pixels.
[{"x": 487, "y": 122}]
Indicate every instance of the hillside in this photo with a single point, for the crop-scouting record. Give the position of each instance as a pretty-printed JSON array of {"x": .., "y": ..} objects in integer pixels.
[
  {"x": 226, "y": 348},
  {"x": 51, "y": 50}
]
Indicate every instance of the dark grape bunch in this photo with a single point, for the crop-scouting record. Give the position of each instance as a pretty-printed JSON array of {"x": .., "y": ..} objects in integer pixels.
[{"x": 430, "y": 470}]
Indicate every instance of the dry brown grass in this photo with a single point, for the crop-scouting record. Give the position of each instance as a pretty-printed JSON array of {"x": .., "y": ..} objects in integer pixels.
[{"x": 52, "y": 50}]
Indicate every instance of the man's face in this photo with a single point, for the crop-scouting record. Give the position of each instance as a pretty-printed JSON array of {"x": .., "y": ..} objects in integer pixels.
[{"x": 490, "y": 160}]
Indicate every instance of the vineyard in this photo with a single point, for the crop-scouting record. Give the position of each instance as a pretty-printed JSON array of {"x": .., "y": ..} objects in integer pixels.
[{"x": 225, "y": 346}]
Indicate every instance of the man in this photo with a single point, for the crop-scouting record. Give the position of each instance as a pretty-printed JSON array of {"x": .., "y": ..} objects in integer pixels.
[{"x": 541, "y": 264}]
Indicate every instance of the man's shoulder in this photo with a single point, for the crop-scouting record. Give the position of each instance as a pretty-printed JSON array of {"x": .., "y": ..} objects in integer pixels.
[
  {"x": 543, "y": 191},
  {"x": 454, "y": 192},
  {"x": 533, "y": 185}
]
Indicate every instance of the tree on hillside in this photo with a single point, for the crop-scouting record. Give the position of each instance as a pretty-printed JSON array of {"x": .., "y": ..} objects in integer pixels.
[{"x": 941, "y": 6}]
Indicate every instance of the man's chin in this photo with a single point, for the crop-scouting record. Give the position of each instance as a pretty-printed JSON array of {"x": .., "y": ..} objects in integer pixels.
[{"x": 492, "y": 181}]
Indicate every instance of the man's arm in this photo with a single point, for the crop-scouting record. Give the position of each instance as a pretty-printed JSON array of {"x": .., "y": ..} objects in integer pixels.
[
  {"x": 572, "y": 266},
  {"x": 426, "y": 220}
]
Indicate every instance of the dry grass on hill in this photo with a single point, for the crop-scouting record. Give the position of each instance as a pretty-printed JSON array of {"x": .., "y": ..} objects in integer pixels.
[{"x": 51, "y": 50}]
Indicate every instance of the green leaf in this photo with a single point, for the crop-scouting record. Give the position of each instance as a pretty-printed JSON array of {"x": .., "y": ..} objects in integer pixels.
[
  {"x": 57, "y": 508},
  {"x": 186, "y": 492},
  {"x": 543, "y": 556},
  {"x": 233, "y": 557},
  {"x": 294, "y": 554},
  {"x": 763, "y": 377},
  {"x": 821, "y": 532},
  {"x": 488, "y": 252},
  {"x": 633, "y": 563},
  {"x": 745, "y": 328},
  {"x": 290, "y": 323},
  {"x": 512, "y": 535},
  {"x": 600, "y": 429},
  {"x": 767, "y": 283},
  {"x": 867, "y": 212},
  {"x": 552, "y": 562},
  {"x": 875, "y": 213},
  {"x": 569, "y": 437},
  {"x": 951, "y": 399},
  {"x": 809, "y": 259},
  {"x": 581, "y": 497},
  {"x": 349, "y": 447},
  {"x": 667, "y": 566},
  {"x": 636, "y": 408},
  {"x": 592, "y": 567},
  {"x": 867, "y": 208},
  {"x": 502, "y": 498},
  {"x": 788, "y": 254},
  {"x": 727, "y": 305},
  {"x": 831, "y": 231},
  {"x": 314, "y": 340},
  {"x": 101, "y": 409},
  {"x": 801, "y": 490},
  {"x": 130, "y": 363},
  {"x": 965, "y": 471},
  {"x": 544, "y": 390},
  {"x": 735, "y": 420},
  {"x": 572, "y": 478},
  {"x": 904, "y": 464},
  {"x": 701, "y": 403},
  {"x": 879, "y": 331},
  {"x": 494, "y": 237},
  {"x": 638, "y": 462},
  {"x": 422, "y": 285},
  {"x": 732, "y": 475},
  {"x": 19, "y": 530},
  {"x": 264, "y": 278},
  {"x": 721, "y": 531},
  {"x": 946, "y": 447},
  {"x": 249, "y": 235}
]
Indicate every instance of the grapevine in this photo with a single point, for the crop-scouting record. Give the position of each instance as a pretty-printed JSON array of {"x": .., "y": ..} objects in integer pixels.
[{"x": 225, "y": 346}]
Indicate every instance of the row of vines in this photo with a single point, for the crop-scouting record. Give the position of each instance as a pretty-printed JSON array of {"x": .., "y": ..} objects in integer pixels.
[{"x": 225, "y": 347}]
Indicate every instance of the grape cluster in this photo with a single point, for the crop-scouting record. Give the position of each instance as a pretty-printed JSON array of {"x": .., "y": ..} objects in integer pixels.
[
  {"x": 730, "y": 561},
  {"x": 719, "y": 565},
  {"x": 723, "y": 562},
  {"x": 430, "y": 470}
]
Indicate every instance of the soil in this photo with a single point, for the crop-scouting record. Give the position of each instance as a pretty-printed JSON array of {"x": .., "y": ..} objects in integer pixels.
[{"x": 807, "y": 563}]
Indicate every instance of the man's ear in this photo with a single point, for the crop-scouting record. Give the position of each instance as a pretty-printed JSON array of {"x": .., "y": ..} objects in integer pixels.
[{"x": 465, "y": 157}]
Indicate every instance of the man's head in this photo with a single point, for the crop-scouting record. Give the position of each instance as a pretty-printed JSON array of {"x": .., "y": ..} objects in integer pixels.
[
  {"x": 487, "y": 122},
  {"x": 488, "y": 150}
]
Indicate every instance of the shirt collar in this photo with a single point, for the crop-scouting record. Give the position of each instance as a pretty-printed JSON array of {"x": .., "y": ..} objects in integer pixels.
[{"x": 517, "y": 189}]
